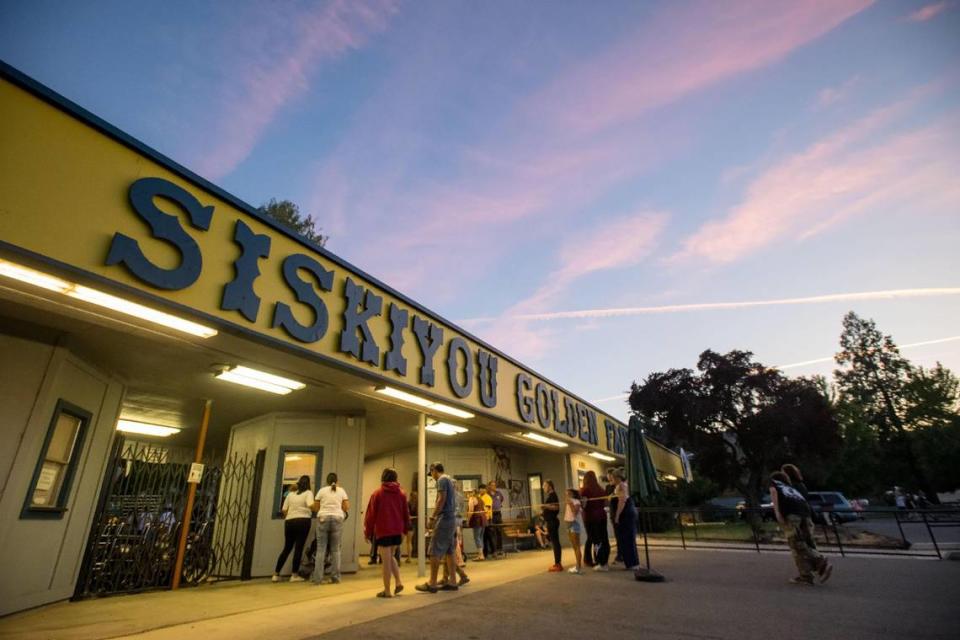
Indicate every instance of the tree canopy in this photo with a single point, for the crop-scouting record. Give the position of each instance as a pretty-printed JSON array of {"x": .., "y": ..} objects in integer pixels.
[
  {"x": 743, "y": 419},
  {"x": 288, "y": 214}
]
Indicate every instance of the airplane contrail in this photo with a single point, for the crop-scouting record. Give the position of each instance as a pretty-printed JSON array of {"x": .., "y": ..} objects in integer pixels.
[
  {"x": 891, "y": 294},
  {"x": 794, "y": 365}
]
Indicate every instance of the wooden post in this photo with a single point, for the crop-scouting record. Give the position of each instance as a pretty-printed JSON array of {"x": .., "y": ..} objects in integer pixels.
[{"x": 191, "y": 496}]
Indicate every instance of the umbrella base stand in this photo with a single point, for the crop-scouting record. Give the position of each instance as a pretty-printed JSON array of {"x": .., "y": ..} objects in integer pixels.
[{"x": 648, "y": 575}]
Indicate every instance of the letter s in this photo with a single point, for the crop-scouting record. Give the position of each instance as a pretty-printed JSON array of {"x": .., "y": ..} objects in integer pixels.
[{"x": 164, "y": 226}]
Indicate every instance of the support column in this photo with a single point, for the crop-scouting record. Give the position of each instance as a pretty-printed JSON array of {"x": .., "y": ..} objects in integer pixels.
[
  {"x": 191, "y": 496},
  {"x": 422, "y": 497}
]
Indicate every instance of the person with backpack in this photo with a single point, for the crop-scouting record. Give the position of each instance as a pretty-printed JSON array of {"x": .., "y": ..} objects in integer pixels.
[
  {"x": 790, "y": 509},
  {"x": 332, "y": 506},
  {"x": 386, "y": 520},
  {"x": 297, "y": 516}
]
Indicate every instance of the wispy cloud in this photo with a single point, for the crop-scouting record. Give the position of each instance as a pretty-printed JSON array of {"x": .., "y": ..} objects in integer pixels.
[
  {"x": 829, "y": 96},
  {"x": 269, "y": 77},
  {"x": 555, "y": 151},
  {"x": 871, "y": 165},
  {"x": 805, "y": 363},
  {"x": 616, "y": 244},
  {"x": 618, "y": 312},
  {"x": 929, "y": 11}
]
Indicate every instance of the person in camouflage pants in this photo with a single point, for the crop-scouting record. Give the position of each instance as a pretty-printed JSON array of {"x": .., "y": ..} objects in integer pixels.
[{"x": 792, "y": 512}]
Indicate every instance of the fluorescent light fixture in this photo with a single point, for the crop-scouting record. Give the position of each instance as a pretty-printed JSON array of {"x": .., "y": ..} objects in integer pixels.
[
  {"x": 601, "y": 456},
  {"x": 553, "y": 442},
  {"x": 145, "y": 428},
  {"x": 260, "y": 380},
  {"x": 669, "y": 478},
  {"x": 423, "y": 402},
  {"x": 102, "y": 299},
  {"x": 446, "y": 428}
]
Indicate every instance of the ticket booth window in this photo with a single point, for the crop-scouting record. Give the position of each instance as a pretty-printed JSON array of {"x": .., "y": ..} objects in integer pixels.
[
  {"x": 50, "y": 486},
  {"x": 293, "y": 463}
]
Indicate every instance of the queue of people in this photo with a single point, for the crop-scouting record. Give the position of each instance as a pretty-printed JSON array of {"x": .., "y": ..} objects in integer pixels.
[{"x": 390, "y": 519}]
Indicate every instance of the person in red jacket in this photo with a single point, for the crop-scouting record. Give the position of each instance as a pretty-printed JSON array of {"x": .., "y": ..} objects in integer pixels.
[{"x": 387, "y": 519}]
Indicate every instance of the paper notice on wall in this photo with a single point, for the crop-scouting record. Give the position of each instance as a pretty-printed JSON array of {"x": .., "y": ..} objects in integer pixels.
[{"x": 196, "y": 473}]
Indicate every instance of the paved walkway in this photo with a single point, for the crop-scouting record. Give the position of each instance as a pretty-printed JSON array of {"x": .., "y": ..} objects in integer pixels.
[
  {"x": 709, "y": 594},
  {"x": 730, "y": 595}
]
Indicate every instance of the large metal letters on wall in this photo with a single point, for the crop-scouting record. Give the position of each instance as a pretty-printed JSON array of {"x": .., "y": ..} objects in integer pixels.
[{"x": 79, "y": 195}]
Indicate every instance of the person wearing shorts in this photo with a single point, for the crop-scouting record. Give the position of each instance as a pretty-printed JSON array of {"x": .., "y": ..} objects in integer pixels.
[
  {"x": 444, "y": 525},
  {"x": 386, "y": 520},
  {"x": 573, "y": 517}
]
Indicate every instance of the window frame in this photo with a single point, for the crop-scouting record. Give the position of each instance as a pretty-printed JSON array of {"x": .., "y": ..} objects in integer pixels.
[
  {"x": 32, "y": 512},
  {"x": 276, "y": 514}
]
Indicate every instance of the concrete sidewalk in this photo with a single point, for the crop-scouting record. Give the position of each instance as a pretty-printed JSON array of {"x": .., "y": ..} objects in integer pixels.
[
  {"x": 254, "y": 609},
  {"x": 709, "y": 594}
]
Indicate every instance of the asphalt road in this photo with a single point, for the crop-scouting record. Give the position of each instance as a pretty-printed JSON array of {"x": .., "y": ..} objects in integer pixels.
[
  {"x": 709, "y": 594},
  {"x": 913, "y": 530}
]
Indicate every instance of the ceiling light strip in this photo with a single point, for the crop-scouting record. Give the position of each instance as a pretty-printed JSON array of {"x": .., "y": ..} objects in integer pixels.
[
  {"x": 102, "y": 299},
  {"x": 423, "y": 402}
]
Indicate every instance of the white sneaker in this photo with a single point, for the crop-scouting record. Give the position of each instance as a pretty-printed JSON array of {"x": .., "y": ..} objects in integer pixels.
[
  {"x": 601, "y": 567},
  {"x": 275, "y": 578},
  {"x": 575, "y": 570},
  {"x": 296, "y": 578}
]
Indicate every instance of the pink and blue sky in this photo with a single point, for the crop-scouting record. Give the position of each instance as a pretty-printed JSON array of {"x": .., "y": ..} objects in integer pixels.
[{"x": 602, "y": 190}]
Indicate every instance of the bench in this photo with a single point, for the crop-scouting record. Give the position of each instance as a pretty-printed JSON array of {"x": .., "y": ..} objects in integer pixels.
[{"x": 517, "y": 532}]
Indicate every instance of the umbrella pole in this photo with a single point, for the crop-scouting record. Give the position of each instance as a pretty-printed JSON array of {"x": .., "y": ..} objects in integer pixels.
[{"x": 647, "y": 574}]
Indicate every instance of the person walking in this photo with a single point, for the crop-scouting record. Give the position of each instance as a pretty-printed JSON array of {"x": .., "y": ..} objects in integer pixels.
[
  {"x": 597, "y": 552},
  {"x": 332, "y": 506},
  {"x": 790, "y": 509},
  {"x": 796, "y": 481},
  {"x": 386, "y": 520},
  {"x": 496, "y": 506},
  {"x": 443, "y": 522},
  {"x": 625, "y": 521},
  {"x": 297, "y": 517},
  {"x": 477, "y": 521},
  {"x": 550, "y": 509},
  {"x": 573, "y": 517}
]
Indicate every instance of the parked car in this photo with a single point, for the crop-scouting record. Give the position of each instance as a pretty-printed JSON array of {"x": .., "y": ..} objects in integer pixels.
[
  {"x": 828, "y": 505},
  {"x": 766, "y": 509}
]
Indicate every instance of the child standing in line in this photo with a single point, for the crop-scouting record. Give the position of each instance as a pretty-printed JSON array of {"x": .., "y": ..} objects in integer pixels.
[{"x": 573, "y": 516}]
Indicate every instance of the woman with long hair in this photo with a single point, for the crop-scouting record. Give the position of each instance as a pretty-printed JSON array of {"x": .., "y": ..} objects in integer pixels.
[
  {"x": 386, "y": 520},
  {"x": 625, "y": 521},
  {"x": 297, "y": 515},
  {"x": 551, "y": 515},
  {"x": 597, "y": 553},
  {"x": 573, "y": 517},
  {"x": 477, "y": 521},
  {"x": 332, "y": 506}
]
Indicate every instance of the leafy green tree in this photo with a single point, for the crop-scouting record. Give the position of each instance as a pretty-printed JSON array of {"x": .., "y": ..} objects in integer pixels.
[
  {"x": 742, "y": 419},
  {"x": 288, "y": 214},
  {"x": 933, "y": 421},
  {"x": 874, "y": 376},
  {"x": 858, "y": 465}
]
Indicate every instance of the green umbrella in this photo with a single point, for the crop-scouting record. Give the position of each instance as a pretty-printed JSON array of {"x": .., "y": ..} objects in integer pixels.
[
  {"x": 641, "y": 474},
  {"x": 642, "y": 478}
]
